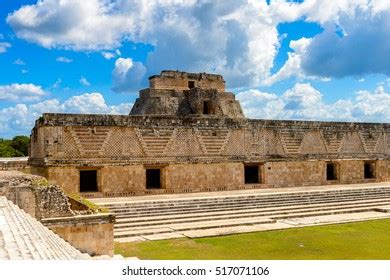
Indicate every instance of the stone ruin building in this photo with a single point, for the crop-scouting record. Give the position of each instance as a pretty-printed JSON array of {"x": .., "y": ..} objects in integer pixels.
[{"x": 185, "y": 133}]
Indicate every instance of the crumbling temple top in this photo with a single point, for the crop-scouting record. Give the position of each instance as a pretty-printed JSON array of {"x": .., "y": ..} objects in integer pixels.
[{"x": 177, "y": 93}]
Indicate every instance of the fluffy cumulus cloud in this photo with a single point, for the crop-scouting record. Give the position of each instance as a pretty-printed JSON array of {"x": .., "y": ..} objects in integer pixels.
[
  {"x": 19, "y": 119},
  {"x": 127, "y": 75},
  {"x": 235, "y": 38},
  {"x": 21, "y": 92},
  {"x": 304, "y": 102},
  {"x": 292, "y": 67},
  {"x": 355, "y": 42},
  {"x": 361, "y": 47}
]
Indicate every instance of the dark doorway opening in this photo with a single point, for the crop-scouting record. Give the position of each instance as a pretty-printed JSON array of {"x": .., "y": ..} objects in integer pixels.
[
  {"x": 251, "y": 174},
  {"x": 369, "y": 170},
  {"x": 88, "y": 181},
  {"x": 191, "y": 84},
  {"x": 153, "y": 178},
  {"x": 206, "y": 107},
  {"x": 331, "y": 172}
]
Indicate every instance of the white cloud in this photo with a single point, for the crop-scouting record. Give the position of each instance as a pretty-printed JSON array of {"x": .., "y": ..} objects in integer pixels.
[
  {"x": 19, "y": 62},
  {"x": 64, "y": 59},
  {"x": 354, "y": 42},
  {"x": 318, "y": 10},
  {"x": 234, "y": 38},
  {"x": 84, "y": 82},
  {"x": 21, "y": 92},
  {"x": 24, "y": 71},
  {"x": 4, "y": 46},
  {"x": 108, "y": 55},
  {"x": 304, "y": 102},
  {"x": 20, "y": 118},
  {"x": 127, "y": 75},
  {"x": 362, "y": 49},
  {"x": 237, "y": 39},
  {"x": 292, "y": 67}
]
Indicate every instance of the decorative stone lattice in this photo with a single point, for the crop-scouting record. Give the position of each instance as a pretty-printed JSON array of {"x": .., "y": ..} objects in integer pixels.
[
  {"x": 313, "y": 143},
  {"x": 351, "y": 144}
]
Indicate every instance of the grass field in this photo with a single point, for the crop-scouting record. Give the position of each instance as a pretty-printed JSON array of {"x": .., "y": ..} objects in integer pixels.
[{"x": 361, "y": 240}]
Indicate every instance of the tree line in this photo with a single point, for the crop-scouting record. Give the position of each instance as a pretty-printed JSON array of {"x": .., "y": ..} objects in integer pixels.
[{"x": 16, "y": 147}]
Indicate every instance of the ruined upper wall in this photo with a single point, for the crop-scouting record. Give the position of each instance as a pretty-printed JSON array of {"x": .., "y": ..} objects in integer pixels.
[
  {"x": 181, "y": 94},
  {"x": 180, "y": 81}
]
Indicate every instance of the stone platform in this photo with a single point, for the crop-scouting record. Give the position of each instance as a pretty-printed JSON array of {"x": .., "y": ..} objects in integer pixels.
[
  {"x": 24, "y": 238},
  {"x": 230, "y": 212}
]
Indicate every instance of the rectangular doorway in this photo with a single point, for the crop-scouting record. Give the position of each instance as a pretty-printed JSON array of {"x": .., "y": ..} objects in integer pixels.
[
  {"x": 369, "y": 170},
  {"x": 88, "y": 181},
  {"x": 206, "y": 107},
  {"x": 153, "y": 178},
  {"x": 331, "y": 171},
  {"x": 251, "y": 174}
]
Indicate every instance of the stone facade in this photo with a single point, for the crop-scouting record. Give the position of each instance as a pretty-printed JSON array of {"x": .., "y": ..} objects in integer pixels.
[
  {"x": 190, "y": 148},
  {"x": 92, "y": 234}
]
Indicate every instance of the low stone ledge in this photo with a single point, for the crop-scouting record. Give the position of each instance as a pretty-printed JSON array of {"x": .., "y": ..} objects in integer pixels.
[{"x": 92, "y": 234}]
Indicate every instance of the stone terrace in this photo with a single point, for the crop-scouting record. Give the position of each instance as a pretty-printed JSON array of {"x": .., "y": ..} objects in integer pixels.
[
  {"x": 24, "y": 238},
  {"x": 220, "y": 213}
]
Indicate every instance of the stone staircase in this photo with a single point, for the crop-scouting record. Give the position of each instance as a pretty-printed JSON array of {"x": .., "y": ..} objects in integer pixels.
[
  {"x": 152, "y": 219},
  {"x": 24, "y": 238}
]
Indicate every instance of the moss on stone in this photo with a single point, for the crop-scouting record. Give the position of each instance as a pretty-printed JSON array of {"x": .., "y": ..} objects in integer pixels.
[{"x": 92, "y": 206}]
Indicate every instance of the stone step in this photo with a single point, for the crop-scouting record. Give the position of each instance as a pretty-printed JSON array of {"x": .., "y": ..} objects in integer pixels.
[
  {"x": 192, "y": 204},
  {"x": 166, "y": 211},
  {"x": 267, "y": 213},
  {"x": 228, "y": 223},
  {"x": 43, "y": 238},
  {"x": 34, "y": 248},
  {"x": 152, "y": 207},
  {"x": 218, "y": 213},
  {"x": 26, "y": 238},
  {"x": 158, "y": 203}
]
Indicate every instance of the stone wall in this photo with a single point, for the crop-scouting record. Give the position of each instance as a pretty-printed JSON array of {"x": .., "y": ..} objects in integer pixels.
[
  {"x": 92, "y": 234},
  {"x": 82, "y": 139},
  {"x": 194, "y": 153},
  {"x": 18, "y": 164},
  {"x": 35, "y": 195},
  {"x": 130, "y": 179},
  {"x": 179, "y": 81}
]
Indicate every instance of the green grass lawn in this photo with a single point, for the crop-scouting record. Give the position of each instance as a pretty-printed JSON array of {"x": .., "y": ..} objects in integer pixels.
[{"x": 361, "y": 240}]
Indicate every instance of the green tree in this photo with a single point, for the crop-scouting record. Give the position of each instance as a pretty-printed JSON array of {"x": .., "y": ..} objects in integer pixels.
[
  {"x": 17, "y": 147},
  {"x": 21, "y": 143}
]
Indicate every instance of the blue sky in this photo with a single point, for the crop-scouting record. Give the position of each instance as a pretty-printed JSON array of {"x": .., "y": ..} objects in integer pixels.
[{"x": 311, "y": 60}]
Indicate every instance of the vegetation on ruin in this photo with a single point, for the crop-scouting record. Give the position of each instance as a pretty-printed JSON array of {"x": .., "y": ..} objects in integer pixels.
[
  {"x": 17, "y": 147},
  {"x": 88, "y": 203},
  {"x": 351, "y": 241},
  {"x": 41, "y": 182}
]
